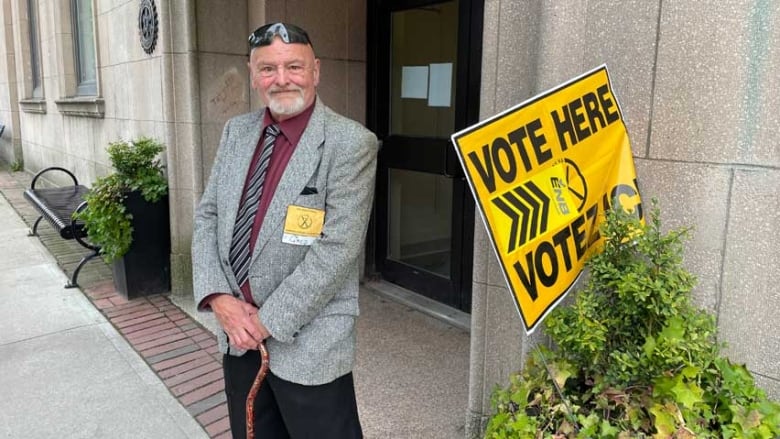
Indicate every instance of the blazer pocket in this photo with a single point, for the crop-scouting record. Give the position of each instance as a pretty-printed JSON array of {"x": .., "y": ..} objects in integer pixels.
[{"x": 314, "y": 201}]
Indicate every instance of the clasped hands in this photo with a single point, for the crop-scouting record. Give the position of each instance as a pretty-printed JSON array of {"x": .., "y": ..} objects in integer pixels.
[{"x": 240, "y": 321}]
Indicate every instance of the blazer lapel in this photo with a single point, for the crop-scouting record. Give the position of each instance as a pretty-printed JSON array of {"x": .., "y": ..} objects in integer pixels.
[
  {"x": 302, "y": 165},
  {"x": 240, "y": 157}
]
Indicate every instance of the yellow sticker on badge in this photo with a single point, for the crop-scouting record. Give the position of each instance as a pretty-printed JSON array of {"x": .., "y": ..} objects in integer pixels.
[{"x": 303, "y": 225}]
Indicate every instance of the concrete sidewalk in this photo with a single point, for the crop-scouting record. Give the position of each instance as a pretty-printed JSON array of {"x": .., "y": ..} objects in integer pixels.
[
  {"x": 86, "y": 363},
  {"x": 66, "y": 371}
]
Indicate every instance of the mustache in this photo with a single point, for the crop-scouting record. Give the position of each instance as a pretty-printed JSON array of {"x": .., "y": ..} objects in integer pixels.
[{"x": 277, "y": 89}]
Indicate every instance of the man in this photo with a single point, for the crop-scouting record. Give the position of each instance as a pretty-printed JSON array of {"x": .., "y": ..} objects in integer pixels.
[{"x": 276, "y": 246}]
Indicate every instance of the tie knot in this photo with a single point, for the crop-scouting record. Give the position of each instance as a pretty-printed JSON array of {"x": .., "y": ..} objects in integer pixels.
[{"x": 272, "y": 130}]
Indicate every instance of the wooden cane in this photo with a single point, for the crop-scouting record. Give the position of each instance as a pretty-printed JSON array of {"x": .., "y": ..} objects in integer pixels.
[{"x": 250, "y": 399}]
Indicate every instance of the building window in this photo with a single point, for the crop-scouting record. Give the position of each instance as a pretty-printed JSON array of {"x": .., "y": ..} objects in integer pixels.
[
  {"x": 35, "y": 49},
  {"x": 84, "y": 48}
]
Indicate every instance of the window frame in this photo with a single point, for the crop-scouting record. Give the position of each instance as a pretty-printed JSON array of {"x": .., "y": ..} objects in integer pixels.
[
  {"x": 25, "y": 35},
  {"x": 34, "y": 42},
  {"x": 84, "y": 87},
  {"x": 76, "y": 98}
]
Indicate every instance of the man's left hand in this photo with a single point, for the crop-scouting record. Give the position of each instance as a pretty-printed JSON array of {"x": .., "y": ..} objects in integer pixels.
[{"x": 240, "y": 321}]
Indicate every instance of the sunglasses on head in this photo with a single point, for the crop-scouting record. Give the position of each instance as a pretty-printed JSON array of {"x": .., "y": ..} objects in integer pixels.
[{"x": 289, "y": 33}]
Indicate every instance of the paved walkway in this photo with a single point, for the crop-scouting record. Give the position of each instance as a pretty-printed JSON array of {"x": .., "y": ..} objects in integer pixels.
[
  {"x": 86, "y": 363},
  {"x": 66, "y": 370}
]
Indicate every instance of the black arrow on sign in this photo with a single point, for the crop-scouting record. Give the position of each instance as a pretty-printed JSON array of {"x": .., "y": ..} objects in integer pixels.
[
  {"x": 514, "y": 216},
  {"x": 528, "y": 213},
  {"x": 540, "y": 218}
]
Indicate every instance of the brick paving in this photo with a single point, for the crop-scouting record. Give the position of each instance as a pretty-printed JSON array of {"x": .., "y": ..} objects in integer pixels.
[{"x": 177, "y": 348}]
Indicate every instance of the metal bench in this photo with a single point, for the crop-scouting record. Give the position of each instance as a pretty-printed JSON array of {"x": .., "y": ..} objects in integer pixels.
[{"x": 58, "y": 205}]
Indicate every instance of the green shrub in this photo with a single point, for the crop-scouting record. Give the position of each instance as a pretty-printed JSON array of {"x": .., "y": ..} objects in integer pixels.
[
  {"x": 106, "y": 219},
  {"x": 633, "y": 358}
]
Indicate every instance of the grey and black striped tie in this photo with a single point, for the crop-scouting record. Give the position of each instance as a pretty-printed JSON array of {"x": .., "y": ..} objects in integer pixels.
[{"x": 247, "y": 209}]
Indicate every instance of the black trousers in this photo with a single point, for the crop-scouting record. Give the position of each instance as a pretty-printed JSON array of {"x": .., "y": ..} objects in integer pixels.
[{"x": 285, "y": 410}]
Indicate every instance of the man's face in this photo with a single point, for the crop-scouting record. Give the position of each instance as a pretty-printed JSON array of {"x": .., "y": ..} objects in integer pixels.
[{"x": 285, "y": 76}]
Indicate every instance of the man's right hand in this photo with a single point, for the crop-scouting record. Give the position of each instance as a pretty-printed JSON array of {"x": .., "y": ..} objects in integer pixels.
[{"x": 239, "y": 321}]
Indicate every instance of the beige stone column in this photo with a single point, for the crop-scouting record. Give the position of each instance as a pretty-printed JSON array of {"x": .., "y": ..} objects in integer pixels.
[
  {"x": 205, "y": 56},
  {"x": 181, "y": 101}
]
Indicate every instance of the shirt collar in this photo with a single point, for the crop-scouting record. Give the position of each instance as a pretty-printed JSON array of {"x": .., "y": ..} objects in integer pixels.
[{"x": 293, "y": 127}]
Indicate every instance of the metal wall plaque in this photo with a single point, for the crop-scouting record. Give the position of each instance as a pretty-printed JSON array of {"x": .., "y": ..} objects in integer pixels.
[{"x": 148, "y": 25}]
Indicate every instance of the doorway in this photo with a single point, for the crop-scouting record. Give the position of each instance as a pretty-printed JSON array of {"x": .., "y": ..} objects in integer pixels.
[{"x": 423, "y": 82}]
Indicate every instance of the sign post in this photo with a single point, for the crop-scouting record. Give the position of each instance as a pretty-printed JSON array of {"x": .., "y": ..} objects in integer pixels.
[{"x": 543, "y": 174}]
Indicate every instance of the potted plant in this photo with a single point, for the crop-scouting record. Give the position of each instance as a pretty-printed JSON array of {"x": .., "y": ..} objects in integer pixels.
[
  {"x": 127, "y": 216},
  {"x": 632, "y": 357}
]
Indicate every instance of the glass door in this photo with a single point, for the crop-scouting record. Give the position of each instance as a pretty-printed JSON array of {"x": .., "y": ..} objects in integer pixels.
[{"x": 420, "y": 82}]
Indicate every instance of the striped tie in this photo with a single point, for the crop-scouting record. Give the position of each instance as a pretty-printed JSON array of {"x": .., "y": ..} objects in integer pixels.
[{"x": 245, "y": 219}]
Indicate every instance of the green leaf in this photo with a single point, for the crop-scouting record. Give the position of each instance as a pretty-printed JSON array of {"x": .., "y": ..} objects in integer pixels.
[
  {"x": 649, "y": 345},
  {"x": 560, "y": 373},
  {"x": 664, "y": 415},
  {"x": 752, "y": 420},
  {"x": 607, "y": 430},
  {"x": 664, "y": 385},
  {"x": 673, "y": 331},
  {"x": 690, "y": 371},
  {"x": 687, "y": 394},
  {"x": 520, "y": 396}
]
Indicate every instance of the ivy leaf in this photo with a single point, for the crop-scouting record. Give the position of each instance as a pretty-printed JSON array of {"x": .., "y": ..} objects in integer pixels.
[
  {"x": 520, "y": 396},
  {"x": 690, "y": 371},
  {"x": 663, "y": 385},
  {"x": 560, "y": 372},
  {"x": 750, "y": 421},
  {"x": 566, "y": 428},
  {"x": 734, "y": 373},
  {"x": 589, "y": 425},
  {"x": 665, "y": 424},
  {"x": 771, "y": 412},
  {"x": 608, "y": 430},
  {"x": 673, "y": 331},
  {"x": 687, "y": 394}
]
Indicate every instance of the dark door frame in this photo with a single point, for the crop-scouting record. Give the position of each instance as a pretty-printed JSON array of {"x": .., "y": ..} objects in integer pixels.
[{"x": 467, "y": 97}]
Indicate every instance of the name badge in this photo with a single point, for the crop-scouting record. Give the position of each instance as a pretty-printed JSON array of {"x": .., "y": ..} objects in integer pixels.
[{"x": 303, "y": 225}]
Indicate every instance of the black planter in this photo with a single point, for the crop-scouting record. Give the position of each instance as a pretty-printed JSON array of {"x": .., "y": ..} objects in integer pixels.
[{"x": 146, "y": 268}]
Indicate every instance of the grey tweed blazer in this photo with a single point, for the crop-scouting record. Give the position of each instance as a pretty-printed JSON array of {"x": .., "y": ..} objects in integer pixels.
[{"x": 308, "y": 294}]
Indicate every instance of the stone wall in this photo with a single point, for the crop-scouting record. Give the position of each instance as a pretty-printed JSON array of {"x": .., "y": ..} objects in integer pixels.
[
  {"x": 10, "y": 145},
  {"x": 59, "y": 129},
  {"x": 698, "y": 88}
]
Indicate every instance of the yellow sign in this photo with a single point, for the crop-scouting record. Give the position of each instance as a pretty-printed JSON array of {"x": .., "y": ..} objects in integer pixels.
[{"x": 543, "y": 173}]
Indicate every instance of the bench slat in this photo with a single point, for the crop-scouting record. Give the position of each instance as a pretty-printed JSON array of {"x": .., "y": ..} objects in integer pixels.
[{"x": 56, "y": 205}]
